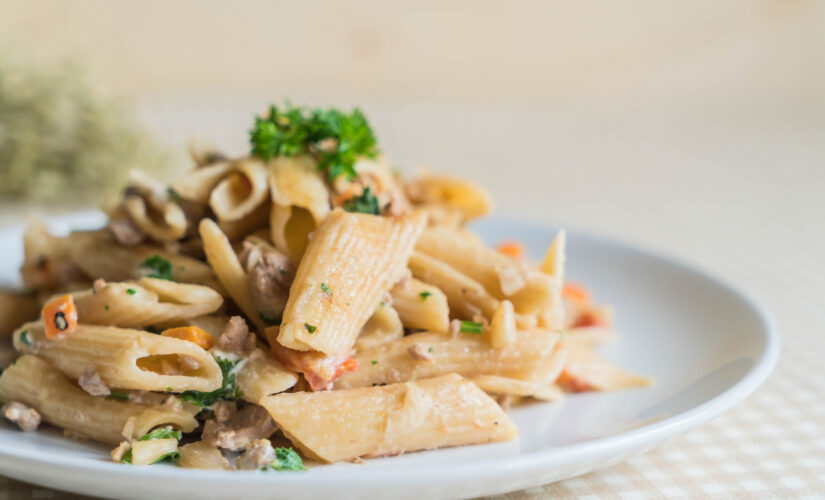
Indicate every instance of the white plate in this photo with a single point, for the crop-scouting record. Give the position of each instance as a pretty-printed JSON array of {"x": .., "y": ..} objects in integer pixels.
[{"x": 707, "y": 345}]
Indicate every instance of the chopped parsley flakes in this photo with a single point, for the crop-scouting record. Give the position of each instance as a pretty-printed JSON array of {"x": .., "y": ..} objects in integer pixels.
[
  {"x": 158, "y": 267},
  {"x": 131, "y": 291},
  {"x": 374, "y": 362},
  {"x": 425, "y": 294},
  {"x": 325, "y": 289},
  {"x": 471, "y": 327},
  {"x": 159, "y": 433},
  {"x": 310, "y": 328},
  {"x": 268, "y": 320},
  {"x": 367, "y": 203},
  {"x": 24, "y": 337},
  {"x": 228, "y": 391},
  {"x": 287, "y": 459},
  {"x": 123, "y": 396}
]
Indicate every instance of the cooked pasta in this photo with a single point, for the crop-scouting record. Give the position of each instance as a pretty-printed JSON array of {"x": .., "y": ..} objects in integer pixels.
[{"x": 302, "y": 297}]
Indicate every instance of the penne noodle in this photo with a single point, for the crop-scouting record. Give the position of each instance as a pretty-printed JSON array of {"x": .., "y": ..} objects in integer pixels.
[
  {"x": 421, "y": 306},
  {"x": 383, "y": 326},
  {"x": 466, "y": 297},
  {"x": 241, "y": 191},
  {"x": 528, "y": 358},
  {"x": 261, "y": 376},
  {"x": 99, "y": 256},
  {"x": 228, "y": 268},
  {"x": 126, "y": 359},
  {"x": 502, "y": 331},
  {"x": 238, "y": 229},
  {"x": 352, "y": 260},
  {"x": 148, "y": 301},
  {"x": 496, "y": 385},
  {"x": 388, "y": 420},
  {"x": 454, "y": 193},
  {"x": 504, "y": 277},
  {"x": 166, "y": 222},
  {"x": 35, "y": 383},
  {"x": 290, "y": 229},
  {"x": 584, "y": 370},
  {"x": 295, "y": 181},
  {"x": 202, "y": 455},
  {"x": 198, "y": 184}
]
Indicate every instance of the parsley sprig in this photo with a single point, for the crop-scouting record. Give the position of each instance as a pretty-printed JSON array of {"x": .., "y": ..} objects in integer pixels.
[
  {"x": 228, "y": 391},
  {"x": 367, "y": 203},
  {"x": 287, "y": 459},
  {"x": 158, "y": 433},
  {"x": 335, "y": 138}
]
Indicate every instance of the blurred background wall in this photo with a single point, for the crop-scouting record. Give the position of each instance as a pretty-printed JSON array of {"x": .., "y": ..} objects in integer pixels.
[{"x": 566, "y": 110}]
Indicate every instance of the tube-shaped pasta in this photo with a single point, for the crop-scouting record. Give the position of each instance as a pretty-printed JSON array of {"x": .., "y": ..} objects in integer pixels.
[
  {"x": 123, "y": 358},
  {"x": 296, "y": 181},
  {"x": 553, "y": 316},
  {"x": 166, "y": 222},
  {"x": 465, "y": 296},
  {"x": 421, "y": 305},
  {"x": 98, "y": 256},
  {"x": 387, "y": 420},
  {"x": 148, "y": 301},
  {"x": 198, "y": 184},
  {"x": 202, "y": 455},
  {"x": 351, "y": 261},
  {"x": 383, "y": 326},
  {"x": 33, "y": 382},
  {"x": 290, "y": 229},
  {"x": 231, "y": 274},
  {"x": 240, "y": 192},
  {"x": 504, "y": 277},
  {"x": 238, "y": 229},
  {"x": 502, "y": 329},
  {"x": 528, "y": 358},
  {"x": 584, "y": 370},
  {"x": 494, "y": 384},
  {"x": 262, "y": 375},
  {"x": 149, "y": 451},
  {"x": 454, "y": 193}
]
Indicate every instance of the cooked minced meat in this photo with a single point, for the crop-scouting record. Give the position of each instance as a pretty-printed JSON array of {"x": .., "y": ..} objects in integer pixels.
[{"x": 26, "y": 418}]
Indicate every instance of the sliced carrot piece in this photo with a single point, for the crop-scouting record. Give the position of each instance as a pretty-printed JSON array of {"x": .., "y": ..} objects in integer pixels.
[
  {"x": 192, "y": 334},
  {"x": 59, "y": 316},
  {"x": 512, "y": 249},
  {"x": 576, "y": 293}
]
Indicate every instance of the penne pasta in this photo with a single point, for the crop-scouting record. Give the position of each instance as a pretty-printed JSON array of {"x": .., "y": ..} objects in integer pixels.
[
  {"x": 388, "y": 420},
  {"x": 241, "y": 192},
  {"x": 502, "y": 276},
  {"x": 35, "y": 383},
  {"x": 352, "y": 260},
  {"x": 296, "y": 182},
  {"x": 261, "y": 376},
  {"x": 528, "y": 358},
  {"x": 228, "y": 268},
  {"x": 198, "y": 184},
  {"x": 290, "y": 229},
  {"x": 456, "y": 194},
  {"x": 584, "y": 370},
  {"x": 126, "y": 359},
  {"x": 421, "y": 306},
  {"x": 383, "y": 326},
  {"x": 147, "y": 301},
  {"x": 165, "y": 222},
  {"x": 466, "y": 297}
]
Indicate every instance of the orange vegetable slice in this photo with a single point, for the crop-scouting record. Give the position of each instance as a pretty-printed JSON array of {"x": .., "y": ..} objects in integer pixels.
[
  {"x": 192, "y": 334},
  {"x": 576, "y": 294},
  {"x": 59, "y": 316},
  {"x": 512, "y": 249}
]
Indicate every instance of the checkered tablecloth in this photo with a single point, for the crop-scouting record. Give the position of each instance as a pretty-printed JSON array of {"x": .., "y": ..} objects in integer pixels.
[{"x": 735, "y": 190}]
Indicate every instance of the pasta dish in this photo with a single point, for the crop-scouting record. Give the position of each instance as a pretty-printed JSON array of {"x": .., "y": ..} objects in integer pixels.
[{"x": 303, "y": 302}]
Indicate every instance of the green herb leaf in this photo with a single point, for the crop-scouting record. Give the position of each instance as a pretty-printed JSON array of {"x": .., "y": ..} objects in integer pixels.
[
  {"x": 310, "y": 328},
  {"x": 24, "y": 337},
  {"x": 471, "y": 327},
  {"x": 374, "y": 362},
  {"x": 425, "y": 294},
  {"x": 228, "y": 391},
  {"x": 131, "y": 291},
  {"x": 325, "y": 289},
  {"x": 162, "y": 433},
  {"x": 159, "y": 267},
  {"x": 172, "y": 456},
  {"x": 367, "y": 203},
  {"x": 336, "y": 139},
  {"x": 431, "y": 349},
  {"x": 123, "y": 396},
  {"x": 287, "y": 459}
]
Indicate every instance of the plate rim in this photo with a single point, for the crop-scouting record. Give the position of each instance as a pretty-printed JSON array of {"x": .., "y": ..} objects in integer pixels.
[{"x": 640, "y": 439}]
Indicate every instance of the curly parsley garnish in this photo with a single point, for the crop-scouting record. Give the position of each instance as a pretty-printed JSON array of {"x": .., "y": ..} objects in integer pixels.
[
  {"x": 228, "y": 391},
  {"x": 159, "y": 267},
  {"x": 335, "y": 138}
]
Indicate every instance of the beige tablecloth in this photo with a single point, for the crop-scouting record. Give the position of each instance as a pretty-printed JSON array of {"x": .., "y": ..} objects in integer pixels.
[{"x": 736, "y": 190}]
